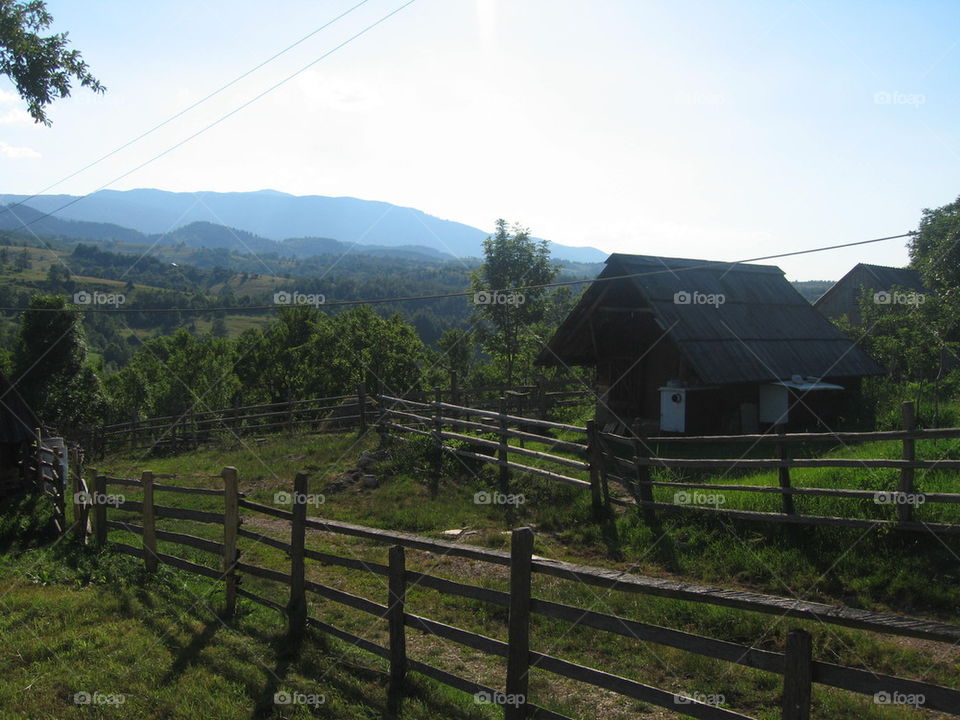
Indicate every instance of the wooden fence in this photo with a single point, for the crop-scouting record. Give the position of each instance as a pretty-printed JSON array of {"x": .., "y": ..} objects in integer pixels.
[
  {"x": 329, "y": 414},
  {"x": 42, "y": 467},
  {"x": 795, "y": 665},
  {"x": 600, "y": 458}
]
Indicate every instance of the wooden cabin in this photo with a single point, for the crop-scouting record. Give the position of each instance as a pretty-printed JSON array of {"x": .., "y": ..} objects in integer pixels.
[
  {"x": 699, "y": 347},
  {"x": 843, "y": 298}
]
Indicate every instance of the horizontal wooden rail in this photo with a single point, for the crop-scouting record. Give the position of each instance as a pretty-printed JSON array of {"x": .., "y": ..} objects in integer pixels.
[
  {"x": 625, "y": 582},
  {"x": 179, "y": 538},
  {"x": 517, "y": 419},
  {"x": 774, "y": 463},
  {"x": 756, "y": 602},
  {"x": 344, "y": 598},
  {"x": 676, "y": 702},
  {"x": 826, "y": 492},
  {"x": 772, "y": 437},
  {"x": 821, "y": 520}
]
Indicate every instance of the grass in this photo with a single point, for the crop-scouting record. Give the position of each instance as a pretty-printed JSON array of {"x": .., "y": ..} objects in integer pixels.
[{"x": 171, "y": 651}]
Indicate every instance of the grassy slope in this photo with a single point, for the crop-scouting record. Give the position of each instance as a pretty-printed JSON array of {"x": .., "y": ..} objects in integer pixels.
[{"x": 880, "y": 571}]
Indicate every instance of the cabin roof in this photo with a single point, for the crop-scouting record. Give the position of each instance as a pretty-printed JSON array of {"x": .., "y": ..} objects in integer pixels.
[{"x": 764, "y": 330}]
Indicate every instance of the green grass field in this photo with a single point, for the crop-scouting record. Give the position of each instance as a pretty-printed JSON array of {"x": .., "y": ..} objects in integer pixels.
[{"x": 77, "y": 621}]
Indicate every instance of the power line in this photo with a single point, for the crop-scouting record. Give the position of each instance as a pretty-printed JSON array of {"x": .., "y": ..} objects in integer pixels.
[
  {"x": 219, "y": 120},
  {"x": 182, "y": 112},
  {"x": 468, "y": 293}
]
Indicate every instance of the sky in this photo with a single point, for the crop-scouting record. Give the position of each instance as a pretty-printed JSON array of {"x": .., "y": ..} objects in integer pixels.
[{"x": 714, "y": 130}]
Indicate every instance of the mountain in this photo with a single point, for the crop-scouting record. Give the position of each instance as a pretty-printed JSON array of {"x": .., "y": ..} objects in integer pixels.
[
  {"x": 275, "y": 216},
  {"x": 15, "y": 219}
]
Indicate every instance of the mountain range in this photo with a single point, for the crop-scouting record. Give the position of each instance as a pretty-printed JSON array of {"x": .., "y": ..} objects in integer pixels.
[{"x": 257, "y": 222}]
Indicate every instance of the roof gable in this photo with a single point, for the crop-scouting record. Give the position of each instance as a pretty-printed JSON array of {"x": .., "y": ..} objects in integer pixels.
[{"x": 743, "y": 323}]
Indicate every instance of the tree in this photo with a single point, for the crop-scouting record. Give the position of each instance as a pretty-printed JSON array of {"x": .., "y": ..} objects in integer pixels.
[
  {"x": 219, "y": 327},
  {"x": 935, "y": 253},
  {"x": 41, "y": 68},
  {"x": 456, "y": 352},
  {"x": 511, "y": 259},
  {"x": 50, "y": 365}
]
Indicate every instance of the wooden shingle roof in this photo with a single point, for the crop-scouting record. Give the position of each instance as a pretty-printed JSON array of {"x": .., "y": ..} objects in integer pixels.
[{"x": 764, "y": 330}]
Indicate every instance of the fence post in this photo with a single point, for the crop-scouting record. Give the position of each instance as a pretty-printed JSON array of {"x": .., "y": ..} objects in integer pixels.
[
  {"x": 79, "y": 503},
  {"x": 362, "y": 406},
  {"x": 644, "y": 489},
  {"x": 231, "y": 521},
  {"x": 395, "y": 617},
  {"x": 541, "y": 399},
  {"x": 595, "y": 458},
  {"x": 437, "y": 429},
  {"x": 99, "y": 506},
  {"x": 518, "y": 654},
  {"x": 149, "y": 523},
  {"x": 60, "y": 485},
  {"x": 797, "y": 676},
  {"x": 784, "y": 471},
  {"x": 297, "y": 607},
  {"x": 908, "y": 422},
  {"x": 38, "y": 458},
  {"x": 91, "y": 486},
  {"x": 503, "y": 451}
]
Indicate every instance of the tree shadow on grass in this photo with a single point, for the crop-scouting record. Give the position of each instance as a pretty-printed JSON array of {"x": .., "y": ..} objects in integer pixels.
[{"x": 188, "y": 654}]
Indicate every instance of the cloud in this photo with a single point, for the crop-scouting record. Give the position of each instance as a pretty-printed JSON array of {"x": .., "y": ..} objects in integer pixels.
[
  {"x": 14, "y": 152},
  {"x": 15, "y": 116},
  {"x": 11, "y": 111}
]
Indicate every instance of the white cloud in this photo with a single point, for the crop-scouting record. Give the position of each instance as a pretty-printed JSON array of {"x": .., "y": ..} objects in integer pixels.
[
  {"x": 14, "y": 152},
  {"x": 8, "y": 97},
  {"x": 15, "y": 116}
]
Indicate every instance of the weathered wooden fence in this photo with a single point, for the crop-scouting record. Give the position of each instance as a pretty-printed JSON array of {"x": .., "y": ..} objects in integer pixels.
[
  {"x": 329, "y": 414},
  {"x": 599, "y": 459},
  {"x": 795, "y": 664}
]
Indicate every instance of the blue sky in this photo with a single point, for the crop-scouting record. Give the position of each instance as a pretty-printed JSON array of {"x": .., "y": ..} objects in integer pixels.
[{"x": 719, "y": 130}]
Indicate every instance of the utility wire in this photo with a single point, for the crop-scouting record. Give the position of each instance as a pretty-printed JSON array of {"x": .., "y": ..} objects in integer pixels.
[
  {"x": 468, "y": 293},
  {"x": 216, "y": 122},
  {"x": 173, "y": 117}
]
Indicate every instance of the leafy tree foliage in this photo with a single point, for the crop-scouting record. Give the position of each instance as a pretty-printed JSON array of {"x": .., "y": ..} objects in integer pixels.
[
  {"x": 505, "y": 318},
  {"x": 303, "y": 353},
  {"x": 935, "y": 253},
  {"x": 50, "y": 366},
  {"x": 41, "y": 67}
]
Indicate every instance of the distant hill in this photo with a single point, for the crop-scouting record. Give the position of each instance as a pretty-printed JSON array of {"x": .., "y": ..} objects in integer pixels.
[
  {"x": 276, "y": 216},
  {"x": 813, "y": 289},
  {"x": 15, "y": 219}
]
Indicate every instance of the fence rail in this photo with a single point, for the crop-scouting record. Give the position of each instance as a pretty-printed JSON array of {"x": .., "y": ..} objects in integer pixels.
[
  {"x": 485, "y": 436},
  {"x": 327, "y": 414},
  {"x": 795, "y": 664}
]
